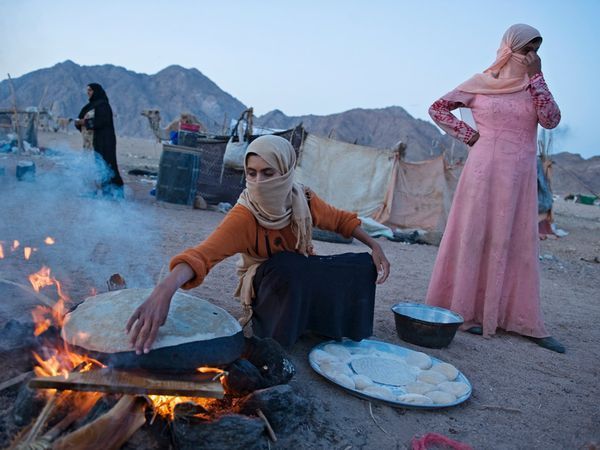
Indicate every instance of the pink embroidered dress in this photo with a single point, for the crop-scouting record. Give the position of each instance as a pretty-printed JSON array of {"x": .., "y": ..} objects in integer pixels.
[{"x": 487, "y": 268}]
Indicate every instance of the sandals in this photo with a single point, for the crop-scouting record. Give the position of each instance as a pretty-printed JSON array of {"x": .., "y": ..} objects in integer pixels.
[
  {"x": 549, "y": 343},
  {"x": 475, "y": 330}
]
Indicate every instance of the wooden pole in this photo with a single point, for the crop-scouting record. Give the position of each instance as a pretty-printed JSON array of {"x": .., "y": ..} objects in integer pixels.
[
  {"x": 270, "y": 431},
  {"x": 40, "y": 421},
  {"x": 15, "y": 380},
  {"x": 16, "y": 115}
]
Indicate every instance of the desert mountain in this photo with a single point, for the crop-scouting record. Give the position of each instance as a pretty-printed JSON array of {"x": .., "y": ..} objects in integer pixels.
[
  {"x": 573, "y": 174},
  {"x": 381, "y": 128},
  {"x": 175, "y": 89}
]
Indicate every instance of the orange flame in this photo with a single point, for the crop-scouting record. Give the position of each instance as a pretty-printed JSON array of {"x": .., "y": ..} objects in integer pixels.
[
  {"x": 44, "y": 316},
  {"x": 1, "y": 251},
  {"x": 49, "y": 241},
  {"x": 27, "y": 252},
  {"x": 164, "y": 405},
  {"x": 15, "y": 245},
  {"x": 42, "y": 279},
  {"x": 63, "y": 361}
]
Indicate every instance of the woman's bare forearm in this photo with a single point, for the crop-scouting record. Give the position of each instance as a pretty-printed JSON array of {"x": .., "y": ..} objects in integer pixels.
[{"x": 181, "y": 274}]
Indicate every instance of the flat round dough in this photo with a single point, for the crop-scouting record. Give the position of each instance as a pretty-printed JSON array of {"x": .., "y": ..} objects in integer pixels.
[
  {"x": 362, "y": 382},
  {"x": 338, "y": 351},
  {"x": 418, "y": 387},
  {"x": 457, "y": 388},
  {"x": 384, "y": 370},
  {"x": 343, "y": 380},
  {"x": 441, "y": 397},
  {"x": 415, "y": 399},
  {"x": 380, "y": 392},
  {"x": 432, "y": 377},
  {"x": 448, "y": 370},
  {"x": 419, "y": 359},
  {"x": 320, "y": 357},
  {"x": 336, "y": 367},
  {"x": 98, "y": 323}
]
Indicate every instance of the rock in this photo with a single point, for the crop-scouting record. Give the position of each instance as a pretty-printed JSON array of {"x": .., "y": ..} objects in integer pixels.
[
  {"x": 16, "y": 335},
  {"x": 230, "y": 432},
  {"x": 270, "y": 359},
  {"x": 282, "y": 406},
  {"x": 243, "y": 378},
  {"x": 200, "y": 203}
]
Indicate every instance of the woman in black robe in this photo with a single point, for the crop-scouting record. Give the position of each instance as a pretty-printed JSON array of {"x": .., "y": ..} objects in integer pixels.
[{"x": 104, "y": 141}]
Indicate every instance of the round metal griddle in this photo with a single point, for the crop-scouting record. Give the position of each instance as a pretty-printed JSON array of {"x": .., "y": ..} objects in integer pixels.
[{"x": 178, "y": 358}]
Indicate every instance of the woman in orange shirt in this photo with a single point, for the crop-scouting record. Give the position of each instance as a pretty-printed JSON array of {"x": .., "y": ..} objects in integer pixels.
[{"x": 287, "y": 289}]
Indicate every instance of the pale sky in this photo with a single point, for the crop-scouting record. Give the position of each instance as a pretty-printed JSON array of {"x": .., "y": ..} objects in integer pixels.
[{"x": 318, "y": 57}]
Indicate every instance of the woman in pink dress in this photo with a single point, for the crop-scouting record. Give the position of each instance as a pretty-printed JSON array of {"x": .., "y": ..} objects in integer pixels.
[{"x": 487, "y": 268}]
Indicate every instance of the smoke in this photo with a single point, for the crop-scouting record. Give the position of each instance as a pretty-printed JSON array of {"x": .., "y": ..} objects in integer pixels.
[{"x": 95, "y": 236}]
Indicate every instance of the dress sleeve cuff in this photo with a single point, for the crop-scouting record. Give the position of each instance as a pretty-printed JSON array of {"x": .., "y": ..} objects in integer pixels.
[
  {"x": 183, "y": 258},
  {"x": 350, "y": 226},
  {"x": 537, "y": 77}
]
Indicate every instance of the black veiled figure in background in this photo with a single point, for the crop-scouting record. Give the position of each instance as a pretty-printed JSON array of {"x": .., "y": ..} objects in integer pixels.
[{"x": 104, "y": 139}]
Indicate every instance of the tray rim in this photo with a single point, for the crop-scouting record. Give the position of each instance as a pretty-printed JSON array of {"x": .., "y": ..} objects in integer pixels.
[{"x": 386, "y": 345}]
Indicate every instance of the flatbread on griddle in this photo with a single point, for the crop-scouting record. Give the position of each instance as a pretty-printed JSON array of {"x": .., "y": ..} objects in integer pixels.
[{"x": 98, "y": 324}]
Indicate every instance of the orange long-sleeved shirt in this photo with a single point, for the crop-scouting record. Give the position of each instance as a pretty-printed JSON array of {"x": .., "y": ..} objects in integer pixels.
[{"x": 239, "y": 232}]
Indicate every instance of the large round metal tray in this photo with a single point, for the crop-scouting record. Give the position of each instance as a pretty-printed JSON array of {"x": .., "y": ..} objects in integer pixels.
[{"x": 367, "y": 346}]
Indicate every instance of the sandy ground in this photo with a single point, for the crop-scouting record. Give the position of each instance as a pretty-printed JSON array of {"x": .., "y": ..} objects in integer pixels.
[{"x": 523, "y": 396}]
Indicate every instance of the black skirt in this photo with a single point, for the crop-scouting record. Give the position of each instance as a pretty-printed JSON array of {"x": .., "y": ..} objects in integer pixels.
[{"x": 330, "y": 295}]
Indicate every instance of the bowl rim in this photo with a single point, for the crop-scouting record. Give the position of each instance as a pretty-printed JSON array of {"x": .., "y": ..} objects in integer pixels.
[{"x": 459, "y": 319}]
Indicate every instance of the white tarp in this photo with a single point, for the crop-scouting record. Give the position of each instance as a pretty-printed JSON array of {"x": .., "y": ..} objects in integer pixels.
[
  {"x": 419, "y": 196},
  {"x": 347, "y": 176}
]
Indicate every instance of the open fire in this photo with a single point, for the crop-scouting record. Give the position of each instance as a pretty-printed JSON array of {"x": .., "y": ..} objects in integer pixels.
[
  {"x": 59, "y": 359},
  {"x": 62, "y": 372}
]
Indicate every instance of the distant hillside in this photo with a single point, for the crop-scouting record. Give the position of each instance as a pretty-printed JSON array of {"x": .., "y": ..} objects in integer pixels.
[
  {"x": 176, "y": 89},
  {"x": 380, "y": 128},
  {"x": 573, "y": 174},
  {"x": 172, "y": 90}
]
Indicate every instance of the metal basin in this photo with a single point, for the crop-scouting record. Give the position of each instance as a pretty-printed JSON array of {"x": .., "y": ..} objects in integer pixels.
[{"x": 424, "y": 325}]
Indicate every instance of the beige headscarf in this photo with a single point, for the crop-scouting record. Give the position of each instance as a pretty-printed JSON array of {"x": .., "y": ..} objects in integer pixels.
[
  {"x": 275, "y": 203},
  {"x": 508, "y": 73}
]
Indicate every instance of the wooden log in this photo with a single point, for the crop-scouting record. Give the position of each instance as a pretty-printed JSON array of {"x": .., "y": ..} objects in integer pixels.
[
  {"x": 83, "y": 404},
  {"x": 111, "y": 430},
  {"x": 15, "y": 380},
  {"x": 40, "y": 421},
  {"x": 41, "y": 297},
  {"x": 268, "y": 426},
  {"x": 134, "y": 382}
]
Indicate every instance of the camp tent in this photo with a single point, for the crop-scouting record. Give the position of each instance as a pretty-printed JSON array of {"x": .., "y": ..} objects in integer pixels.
[{"x": 377, "y": 183}]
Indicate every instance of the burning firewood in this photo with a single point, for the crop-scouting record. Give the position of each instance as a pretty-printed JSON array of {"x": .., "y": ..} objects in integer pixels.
[
  {"x": 111, "y": 430},
  {"x": 134, "y": 382},
  {"x": 15, "y": 380}
]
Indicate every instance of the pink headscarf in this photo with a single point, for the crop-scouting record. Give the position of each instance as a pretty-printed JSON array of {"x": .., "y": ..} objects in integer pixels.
[{"x": 508, "y": 73}]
